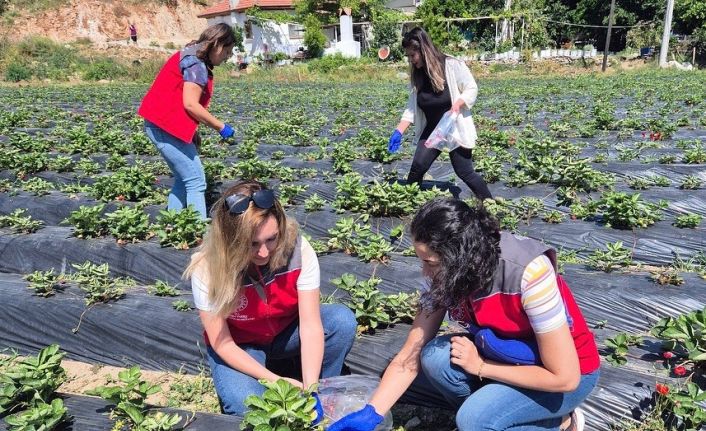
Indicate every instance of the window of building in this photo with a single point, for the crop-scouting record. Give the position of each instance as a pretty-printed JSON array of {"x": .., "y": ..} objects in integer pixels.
[{"x": 296, "y": 31}]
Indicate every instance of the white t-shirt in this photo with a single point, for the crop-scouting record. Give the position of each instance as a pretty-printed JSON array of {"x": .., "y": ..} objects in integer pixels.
[{"x": 309, "y": 277}]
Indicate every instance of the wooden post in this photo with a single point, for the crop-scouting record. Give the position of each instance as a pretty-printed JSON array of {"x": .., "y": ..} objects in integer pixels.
[
  {"x": 607, "y": 38},
  {"x": 693, "y": 57}
]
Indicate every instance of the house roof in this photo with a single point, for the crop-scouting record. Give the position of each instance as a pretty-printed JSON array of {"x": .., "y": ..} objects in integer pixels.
[{"x": 223, "y": 7}]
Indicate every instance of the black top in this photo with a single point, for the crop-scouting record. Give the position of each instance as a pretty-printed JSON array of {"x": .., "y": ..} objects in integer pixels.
[{"x": 433, "y": 104}]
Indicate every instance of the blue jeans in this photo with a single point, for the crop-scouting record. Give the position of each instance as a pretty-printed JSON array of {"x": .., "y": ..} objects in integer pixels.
[
  {"x": 497, "y": 406},
  {"x": 189, "y": 178},
  {"x": 233, "y": 386}
]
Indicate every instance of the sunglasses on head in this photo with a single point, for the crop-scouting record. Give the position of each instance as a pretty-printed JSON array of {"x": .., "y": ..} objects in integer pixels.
[{"x": 238, "y": 204}]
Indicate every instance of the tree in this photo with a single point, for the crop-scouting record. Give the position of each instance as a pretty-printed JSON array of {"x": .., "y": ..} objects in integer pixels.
[
  {"x": 239, "y": 37},
  {"x": 690, "y": 18},
  {"x": 314, "y": 37},
  {"x": 387, "y": 31}
]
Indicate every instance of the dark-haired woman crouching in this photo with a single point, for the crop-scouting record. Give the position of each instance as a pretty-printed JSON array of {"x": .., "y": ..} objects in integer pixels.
[{"x": 501, "y": 283}]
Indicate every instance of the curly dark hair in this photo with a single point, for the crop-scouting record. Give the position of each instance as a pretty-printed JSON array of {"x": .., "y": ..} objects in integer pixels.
[{"x": 467, "y": 240}]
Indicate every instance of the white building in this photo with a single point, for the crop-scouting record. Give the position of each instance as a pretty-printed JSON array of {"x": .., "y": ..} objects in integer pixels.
[{"x": 259, "y": 36}]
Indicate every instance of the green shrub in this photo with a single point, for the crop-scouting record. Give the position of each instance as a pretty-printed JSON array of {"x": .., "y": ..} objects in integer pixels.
[
  {"x": 330, "y": 63},
  {"x": 314, "y": 37},
  {"x": 104, "y": 69},
  {"x": 16, "y": 72}
]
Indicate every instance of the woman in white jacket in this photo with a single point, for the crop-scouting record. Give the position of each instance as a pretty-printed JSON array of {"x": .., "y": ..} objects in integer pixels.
[{"x": 440, "y": 83}]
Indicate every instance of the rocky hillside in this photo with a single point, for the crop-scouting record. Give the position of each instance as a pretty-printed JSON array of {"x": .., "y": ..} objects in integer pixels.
[{"x": 106, "y": 21}]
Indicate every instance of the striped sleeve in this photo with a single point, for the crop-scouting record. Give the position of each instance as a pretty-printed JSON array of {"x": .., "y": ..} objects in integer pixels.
[{"x": 541, "y": 298}]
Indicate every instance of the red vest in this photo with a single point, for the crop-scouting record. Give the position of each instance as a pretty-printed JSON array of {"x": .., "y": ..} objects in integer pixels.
[
  {"x": 501, "y": 309},
  {"x": 163, "y": 104},
  {"x": 255, "y": 321}
]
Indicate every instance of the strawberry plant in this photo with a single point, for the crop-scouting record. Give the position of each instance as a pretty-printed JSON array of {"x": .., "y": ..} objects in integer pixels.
[
  {"x": 687, "y": 221},
  {"x": 373, "y": 309},
  {"x": 19, "y": 222},
  {"x": 88, "y": 221},
  {"x": 128, "y": 224},
  {"x": 375, "y": 146},
  {"x": 681, "y": 409},
  {"x": 287, "y": 192},
  {"x": 283, "y": 406},
  {"x": 115, "y": 162},
  {"x": 615, "y": 256},
  {"x": 162, "y": 288},
  {"x": 39, "y": 417},
  {"x": 31, "y": 380},
  {"x": 180, "y": 229},
  {"x": 314, "y": 203},
  {"x": 660, "y": 181},
  {"x": 604, "y": 114},
  {"x": 357, "y": 239},
  {"x": 96, "y": 282},
  {"x": 130, "y": 183},
  {"x": 343, "y": 154},
  {"x": 553, "y": 216},
  {"x": 129, "y": 402},
  {"x": 37, "y": 186},
  {"x": 45, "y": 283},
  {"x": 637, "y": 183},
  {"x": 28, "y": 163},
  {"x": 181, "y": 305},
  {"x": 691, "y": 182},
  {"x": 667, "y": 275},
  {"x": 696, "y": 154},
  {"x": 684, "y": 336},
  {"x": 618, "y": 347},
  {"x": 61, "y": 164},
  {"x": 87, "y": 167},
  {"x": 624, "y": 211}
]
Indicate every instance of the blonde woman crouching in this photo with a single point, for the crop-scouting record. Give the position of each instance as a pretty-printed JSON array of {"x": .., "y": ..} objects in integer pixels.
[{"x": 255, "y": 282}]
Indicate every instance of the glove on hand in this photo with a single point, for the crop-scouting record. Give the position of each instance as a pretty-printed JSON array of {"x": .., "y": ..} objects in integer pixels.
[
  {"x": 318, "y": 408},
  {"x": 227, "y": 131},
  {"x": 365, "y": 419},
  {"x": 395, "y": 141}
]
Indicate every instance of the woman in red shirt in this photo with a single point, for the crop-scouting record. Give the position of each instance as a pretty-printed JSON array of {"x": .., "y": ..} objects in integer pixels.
[{"x": 177, "y": 103}]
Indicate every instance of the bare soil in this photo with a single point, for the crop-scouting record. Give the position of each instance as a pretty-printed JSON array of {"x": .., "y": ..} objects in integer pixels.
[{"x": 104, "y": 21}]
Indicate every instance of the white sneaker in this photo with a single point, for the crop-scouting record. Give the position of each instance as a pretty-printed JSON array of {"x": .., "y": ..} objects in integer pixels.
[{"x": 577, "y": 420}]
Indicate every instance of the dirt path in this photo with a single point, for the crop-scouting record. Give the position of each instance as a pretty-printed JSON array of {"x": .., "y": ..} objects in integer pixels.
[{"x": 188, "y": 392}]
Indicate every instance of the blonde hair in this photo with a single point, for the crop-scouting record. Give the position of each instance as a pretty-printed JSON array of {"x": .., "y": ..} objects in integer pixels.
[
  {"x": 432, "y": 59},
  {"x": 225, "y": 255}
]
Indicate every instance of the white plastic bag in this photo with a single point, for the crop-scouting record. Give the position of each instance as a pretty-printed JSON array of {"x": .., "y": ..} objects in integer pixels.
[
  {"x": 346, "y": 394},
  {"x": 440, "y": 137}
]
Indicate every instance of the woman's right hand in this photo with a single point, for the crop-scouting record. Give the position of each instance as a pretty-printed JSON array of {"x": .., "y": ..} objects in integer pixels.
[
  {"x": 395, "y": 141},
  {"x": 227, "y": 131}
]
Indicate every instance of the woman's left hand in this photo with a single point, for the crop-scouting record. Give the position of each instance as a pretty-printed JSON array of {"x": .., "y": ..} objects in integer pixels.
[
  {"x": 457, "y": 105},
  {"x": 465, "y": 354}
]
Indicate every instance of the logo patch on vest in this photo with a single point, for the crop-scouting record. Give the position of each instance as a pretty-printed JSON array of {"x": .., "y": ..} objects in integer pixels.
[{"x": 242, "y": 304}]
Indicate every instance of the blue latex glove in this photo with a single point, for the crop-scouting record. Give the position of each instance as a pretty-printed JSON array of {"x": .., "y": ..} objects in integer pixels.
[
  {"x": 365, "y": 419},
  {"x": 395, "y": 141},
  {"x": 227, "y": 131},
  {"x": 318, "y": 408}
]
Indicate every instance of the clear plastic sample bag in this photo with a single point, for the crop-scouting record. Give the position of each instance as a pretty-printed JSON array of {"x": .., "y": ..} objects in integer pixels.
[
  {"x": 440, "y": 137},
  {"x": 342, "y": 395}
]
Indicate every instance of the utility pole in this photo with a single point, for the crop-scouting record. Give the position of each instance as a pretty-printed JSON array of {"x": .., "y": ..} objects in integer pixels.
[
  {"x": 607, "y": 38},
  {"x": 665, "y": 35}
]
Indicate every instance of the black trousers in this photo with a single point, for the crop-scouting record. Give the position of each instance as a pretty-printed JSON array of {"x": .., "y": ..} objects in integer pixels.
[{"x": 462, "y": 162}]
